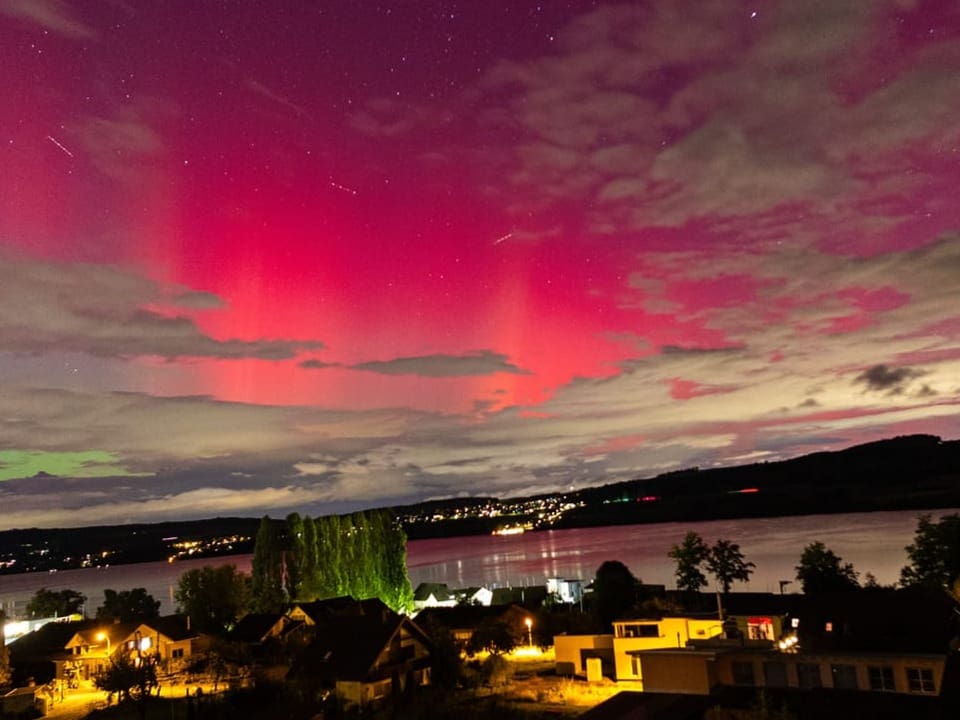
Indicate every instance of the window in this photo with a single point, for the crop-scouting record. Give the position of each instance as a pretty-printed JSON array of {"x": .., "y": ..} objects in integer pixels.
[
  {"x": 646, "y": 630},
  {"x": 635, "y": 665},
  {"x": 920, "y": 680},
  {"x": 743, "y": 673},
  {"x": 844, "y": 677},
  {"x": 176, "y": 653},
  {"x": 808, "y": 675},
  {"x": 881, "y": 678},
  {"x": 775, "y": 674}
]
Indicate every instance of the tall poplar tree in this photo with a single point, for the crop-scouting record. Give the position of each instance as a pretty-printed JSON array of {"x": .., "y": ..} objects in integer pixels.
[
  {"x": 294, "y": 556},
  {"x": 310, "y": 585},
  {"x": 266, "y": 584}
]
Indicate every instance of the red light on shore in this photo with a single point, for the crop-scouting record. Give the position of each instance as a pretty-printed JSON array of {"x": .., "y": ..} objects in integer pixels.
[
  {"x": 744, "y": 491},
  {"x": 649, "y": 498}
]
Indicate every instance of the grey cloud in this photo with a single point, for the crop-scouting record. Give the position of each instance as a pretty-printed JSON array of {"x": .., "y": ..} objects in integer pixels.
[
  {"x": 315, "y": 364},
  {"x": 52, "y": 15},
  {"x": 484, "y": 362},
  {"x": 98, "y": 310},
  {"x": 881, "y": 378},
  {"x": 198, "y": 300}
]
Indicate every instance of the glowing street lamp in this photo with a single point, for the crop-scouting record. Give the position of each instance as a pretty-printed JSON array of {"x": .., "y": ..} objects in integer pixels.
[
  {"x": 101, "y": 636},
  {"x": 529, "y": 623}
]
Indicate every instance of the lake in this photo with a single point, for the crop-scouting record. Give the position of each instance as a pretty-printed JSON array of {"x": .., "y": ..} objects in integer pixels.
[{"x": 873, "y": 542}]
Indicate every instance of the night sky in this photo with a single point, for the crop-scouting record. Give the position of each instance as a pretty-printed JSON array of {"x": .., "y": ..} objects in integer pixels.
[{"x": 266, "y": 256}]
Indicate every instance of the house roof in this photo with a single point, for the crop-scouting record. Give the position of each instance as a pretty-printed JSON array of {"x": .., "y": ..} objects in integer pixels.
[
  {"x": 439, "y": 590},
  {"x": 51, "y": 640},
  {"x": 175, "y": 627},
  {"x": 348, "y": 648},
  {"x": 255, "y": 627},
  {"x": 530, "y": 596}
]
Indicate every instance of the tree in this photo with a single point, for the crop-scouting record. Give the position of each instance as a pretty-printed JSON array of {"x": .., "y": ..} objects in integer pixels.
[
  {"x": 295, "y": 557},
  {"x": 494, "y": 637},
  {"x": 690, "y": 556},
  {"x": 127, "y": 605},
  {"x": 614, "y": 591},
  {"x": 55, "y": 603},
  {"x": 213, "y": 597},
  {"x": 726, "y": 563},
  {"x": 130, "y": 678},
  {"x": 266, "y": 583},
  {"x": 934, "y": 553},
  {"x": 821, "y": 570}
]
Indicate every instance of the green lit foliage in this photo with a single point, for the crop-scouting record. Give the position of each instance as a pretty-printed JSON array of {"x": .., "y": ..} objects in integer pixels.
[
  {"x": 213, "y": 597},
  {"x": 55, "y": 603},
  {"x": 689, "y": 557},
  {"x": 821, "y": 570},
  {"x": 127, "y": 605},
  {"x": 295, "y": 558},
  {"x": 614, "y": 592},
  {"x": 363, "y": 555},
  {"x": 266, "y": 581},
  {"x": 934, "y": 553}
]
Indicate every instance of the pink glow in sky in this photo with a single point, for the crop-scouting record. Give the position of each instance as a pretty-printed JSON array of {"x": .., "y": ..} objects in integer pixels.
[{"x": 257, "y": 257}]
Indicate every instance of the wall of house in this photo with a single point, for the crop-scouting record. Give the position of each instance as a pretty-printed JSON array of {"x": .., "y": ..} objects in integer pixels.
[
  {"x": 571, "y": 650},
  {"x": 685, "y": 672},
  {"x": 664, "y": 633},
  {"x": 765, "y": 672}
]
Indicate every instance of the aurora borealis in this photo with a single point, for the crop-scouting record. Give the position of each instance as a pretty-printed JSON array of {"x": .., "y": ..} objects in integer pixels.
[{"x": 266, "y": 256}]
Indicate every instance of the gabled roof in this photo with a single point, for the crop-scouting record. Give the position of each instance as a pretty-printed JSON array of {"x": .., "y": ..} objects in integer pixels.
[
  {"x": 348, "y": 648},
  {"x": 51, "y": 640},
  {"x": 440, "y": 591},
  {"x": 175, "y": 627},
  {"x": 255, "y": 627},
  {"x": 531, "y": 596}
]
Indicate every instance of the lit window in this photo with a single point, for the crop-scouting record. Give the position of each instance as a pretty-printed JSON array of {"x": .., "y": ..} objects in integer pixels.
[{"x": 920, "y": 680}]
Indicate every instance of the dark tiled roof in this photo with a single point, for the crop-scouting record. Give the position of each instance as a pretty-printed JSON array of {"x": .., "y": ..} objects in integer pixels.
[
  {"x": 175, "y": 627},
  {"x": 438, "y": 590},
  {"x": 254, "y": 627}
]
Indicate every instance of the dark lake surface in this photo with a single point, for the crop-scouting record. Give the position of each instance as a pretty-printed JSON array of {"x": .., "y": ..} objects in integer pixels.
[{"x": 873, "y": 542}]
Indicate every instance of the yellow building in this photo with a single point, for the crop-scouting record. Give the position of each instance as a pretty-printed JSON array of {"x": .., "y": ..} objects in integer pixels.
[{"x": 618, "y": 651}]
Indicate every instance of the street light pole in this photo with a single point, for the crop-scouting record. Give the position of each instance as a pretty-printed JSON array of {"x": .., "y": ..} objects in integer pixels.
[{"x": 529, "y": 623}]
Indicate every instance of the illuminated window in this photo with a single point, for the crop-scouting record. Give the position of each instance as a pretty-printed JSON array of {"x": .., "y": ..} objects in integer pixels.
[
  {"x": 920, "y": 680},
  {"x": 881, "y": 678}
]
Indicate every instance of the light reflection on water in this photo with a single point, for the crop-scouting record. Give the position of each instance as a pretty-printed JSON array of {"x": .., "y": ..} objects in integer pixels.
[{"x": 873, "y": 542}]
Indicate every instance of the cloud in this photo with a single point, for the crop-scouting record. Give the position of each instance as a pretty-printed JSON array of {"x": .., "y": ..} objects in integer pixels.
[
  {"x": 880, "y": 378},
  {"x": 52, "y": 15},
  {"x": 100, "y": 310},
  {"x": 483, "y": 362}
]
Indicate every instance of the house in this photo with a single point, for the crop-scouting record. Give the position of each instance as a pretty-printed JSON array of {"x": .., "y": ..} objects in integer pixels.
[
  {"x": 257, "y": 634},
  {"x": 365, "y": 659},
  {"x": 617, "y": 651},
  {"x": 474, "y": 596},
  {"x": 433, "y": 595},
  {"x": 896, "y": 642},
  {"x": 70, "y": 651},
  {"x": 169, "y": 639},
  {"x": 463, "y": 620},
  {"x": 529, "y": 596},
  {"x": 568, "y": 591},
  {"x": 78, "y": 651}
]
